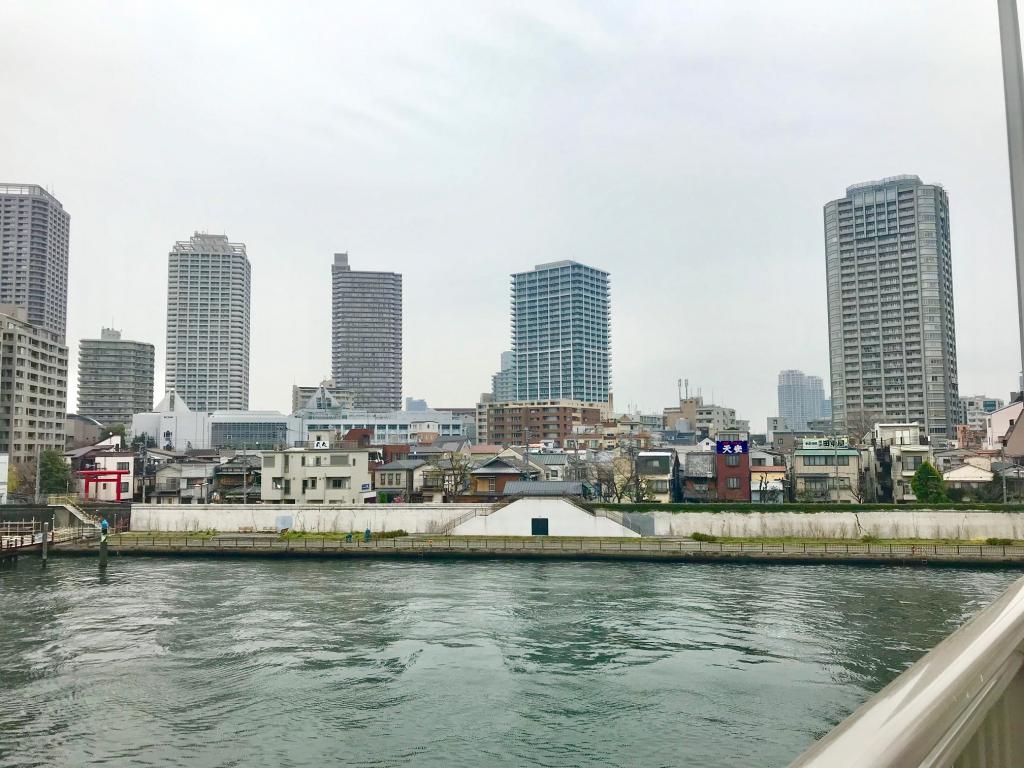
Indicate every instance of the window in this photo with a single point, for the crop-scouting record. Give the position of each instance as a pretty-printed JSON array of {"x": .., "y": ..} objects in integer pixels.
[
  {"x": 759, "y": 462},
  {"x": 124, "y": 487},
  {"x": 340, "y": 483},
  {"x": 732, "y": 460},
  {"x": 123, "y": 465},
  {"x": 339, "y": 460},
  {"x": 732, "y": 482}
]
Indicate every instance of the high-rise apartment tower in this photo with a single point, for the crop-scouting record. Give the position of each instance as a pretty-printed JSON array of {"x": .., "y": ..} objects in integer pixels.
[
  {"x": 801, "y": 398},
  {"x": 892, "y": 337},
  {"x": 208, "y": 289},
  {"x": 366, "y": 335},
  {"x": 34, "y": 255},
  {"x": 115, "y": 378},
  {"x": 561, "y": 338}
]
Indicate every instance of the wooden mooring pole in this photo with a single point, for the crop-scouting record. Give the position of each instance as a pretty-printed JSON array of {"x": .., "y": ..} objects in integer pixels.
[
  {"x": 103, "y": 548},
  {"x": 46, "y": 541}
]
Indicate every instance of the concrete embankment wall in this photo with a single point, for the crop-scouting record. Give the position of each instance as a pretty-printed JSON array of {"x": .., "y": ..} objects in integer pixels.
[
  {"x": 885, "y": 524},
  {"x": 433, "y": 518},
  {"x": 413, "y": 518}
]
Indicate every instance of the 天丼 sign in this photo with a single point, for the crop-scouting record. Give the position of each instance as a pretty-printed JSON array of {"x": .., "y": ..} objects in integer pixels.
[
  {"x": 320, "y": 445},
  {"x": 731, "y": 446}
]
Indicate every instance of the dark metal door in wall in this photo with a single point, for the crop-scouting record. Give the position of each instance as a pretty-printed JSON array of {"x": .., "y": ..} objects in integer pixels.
[{"x": 539, "y": 526}]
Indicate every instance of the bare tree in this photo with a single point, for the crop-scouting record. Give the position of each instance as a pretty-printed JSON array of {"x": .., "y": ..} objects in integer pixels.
[
  {"x": 627, "y": 482},
  {"x": 454, "y": 473},
  {"x": 859, "y": 423}
]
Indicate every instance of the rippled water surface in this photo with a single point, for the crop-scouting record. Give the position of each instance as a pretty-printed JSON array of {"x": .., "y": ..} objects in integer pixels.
[{"x": 195, "y": 663}]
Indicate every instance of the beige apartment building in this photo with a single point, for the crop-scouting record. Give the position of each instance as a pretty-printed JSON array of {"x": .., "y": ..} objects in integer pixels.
[
  {"x": 318, "y": 475},
  {"x": 33, "y": 387},
  {"x": 827, "y": 474}
]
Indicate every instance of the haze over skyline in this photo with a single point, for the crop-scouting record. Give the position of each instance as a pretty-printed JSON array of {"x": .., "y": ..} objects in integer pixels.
[{"x": 686, "y": 151}]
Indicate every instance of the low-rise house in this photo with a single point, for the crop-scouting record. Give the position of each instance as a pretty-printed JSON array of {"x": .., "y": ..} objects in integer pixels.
[
  {"x": 999, "y": 424},
  {"x": 317, "y": 476},
  {"x": 489, "y": 479},
  {"x": 237, "y": 480},
  {"x": 699, "y": 476},
  {"x": 904, "y": 462},
  {"x": 950, "y": 458},
  {"x": 553, "y": 465},
  {"x": 732, "y": 471},
  {"x": 904, "y": 433},
  {"x": 484, "y": 451},
  {"x": 400, "y": 481},
  {"x": 968, "y": 478},
  {"x": 827, "y": 475},
  {"x": 659, "y": 471},
  {"x": 104, "y": 471},
  {"x": 768, "y": 474},
  {"x": 184, "y": 482}
]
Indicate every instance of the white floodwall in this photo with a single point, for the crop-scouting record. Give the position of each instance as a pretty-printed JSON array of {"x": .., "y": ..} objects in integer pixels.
[
  {"x": 885, "y": 524},
  {"x": 434, "y": 518},
  {"x": 412, "y": 518}
]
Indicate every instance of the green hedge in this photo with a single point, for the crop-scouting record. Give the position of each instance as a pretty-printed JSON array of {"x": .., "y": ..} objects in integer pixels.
[{"x": 804, "y": 507}]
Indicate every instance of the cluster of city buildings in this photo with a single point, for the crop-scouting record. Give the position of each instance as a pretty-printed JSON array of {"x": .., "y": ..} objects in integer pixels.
[{"x": 549, "y": 416}]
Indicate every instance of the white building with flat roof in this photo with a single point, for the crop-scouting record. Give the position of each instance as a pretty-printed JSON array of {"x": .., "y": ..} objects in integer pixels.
[{"x": 175, "y": 426}]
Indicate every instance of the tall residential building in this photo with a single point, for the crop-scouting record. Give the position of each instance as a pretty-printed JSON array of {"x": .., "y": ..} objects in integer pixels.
[
  {"x": 503, "y": 383},
  {"x": 892, "y": 337},
  {"x": 366, "y": 335},
  {"x": 801, "y": 399},
  {"x": 561, "y": 340},
  {"x": 115, "y": 378},
  {"x": 34, "y": 255},
  {"x": 208, "y": 289},
  {"x": 974, "y": 409},
  {"x": 33, "y": 387}
]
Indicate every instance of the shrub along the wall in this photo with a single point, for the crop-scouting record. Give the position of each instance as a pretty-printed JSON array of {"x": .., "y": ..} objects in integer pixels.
[{"x": 806, "y": 507}]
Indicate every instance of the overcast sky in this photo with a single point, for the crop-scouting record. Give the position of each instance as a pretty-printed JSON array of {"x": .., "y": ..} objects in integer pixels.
[{"x": 685, "y": 147}]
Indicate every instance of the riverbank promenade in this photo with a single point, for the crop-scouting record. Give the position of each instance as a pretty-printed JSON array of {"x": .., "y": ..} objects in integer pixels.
[{"x": 570, "y": 548}]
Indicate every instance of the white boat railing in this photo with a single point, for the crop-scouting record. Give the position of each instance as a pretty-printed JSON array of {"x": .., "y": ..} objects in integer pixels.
[{"x": 961, "y": 705}]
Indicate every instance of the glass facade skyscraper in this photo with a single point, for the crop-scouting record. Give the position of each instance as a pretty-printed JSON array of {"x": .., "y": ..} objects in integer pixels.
[
  {"x": 892, "y": 337},
  {"x": 561, "y": 338}
]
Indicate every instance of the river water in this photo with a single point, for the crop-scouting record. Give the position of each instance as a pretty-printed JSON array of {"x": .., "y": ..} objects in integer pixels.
[{"x": 196, "y": 663}]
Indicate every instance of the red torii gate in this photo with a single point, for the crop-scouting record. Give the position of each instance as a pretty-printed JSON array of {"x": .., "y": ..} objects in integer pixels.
[{"x": 97, "y": 476}]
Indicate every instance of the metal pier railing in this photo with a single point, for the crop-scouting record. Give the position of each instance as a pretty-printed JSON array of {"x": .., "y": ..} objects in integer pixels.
[{"x": 961, "y": 705}]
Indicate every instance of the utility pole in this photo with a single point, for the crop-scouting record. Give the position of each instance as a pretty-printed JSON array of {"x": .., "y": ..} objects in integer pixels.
[
  {"x": 1013, "y": 92},
  {"x": 145, "y": 457},
  {"x": 39, "y": 470}
]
